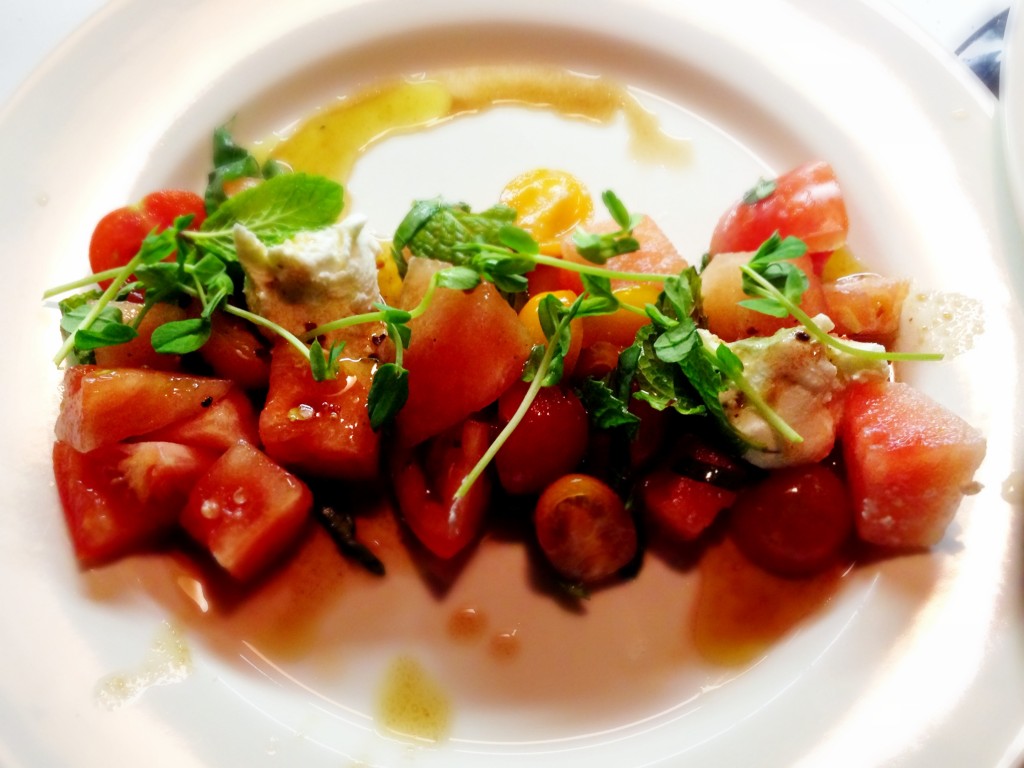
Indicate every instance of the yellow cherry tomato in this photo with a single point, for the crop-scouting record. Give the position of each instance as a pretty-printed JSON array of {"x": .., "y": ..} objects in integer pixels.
[
  {"x": 529, "y": 316},
  {"x": 550, "y": 204},
  {"x": 620, "y": 327}
]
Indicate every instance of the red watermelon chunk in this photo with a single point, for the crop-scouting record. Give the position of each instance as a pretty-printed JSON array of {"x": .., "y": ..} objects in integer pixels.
[
  {"x": 909, "y": 463},
  {"x": 106, "y": 405},
  {"x": 465, "y": 351}
]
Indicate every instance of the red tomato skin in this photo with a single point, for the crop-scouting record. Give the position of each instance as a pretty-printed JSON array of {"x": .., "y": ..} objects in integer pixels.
[
  {"x": 230, "y": 420},
  {"x": 681, "y": 507},
  {"x": 466, "y": 349},
  {"x": 549, "y": 442},
  {"x": 164, "y": 206},
  {"x": 583, "y": 529},
  {"x": 426, "y": 479},
  {"x": 118, "y": 236},
  {"x": 319, "y": 427},
  {"x": 246, "y": 511},
  {"x": 122, "y": 498},
  {"x": 795, "y": 522},
  {"x": 101, "y": 406},
  {"x": 807, "y": 203}
]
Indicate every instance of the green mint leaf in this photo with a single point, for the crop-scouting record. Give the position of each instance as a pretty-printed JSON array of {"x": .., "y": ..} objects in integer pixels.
[
  {"x": 436, "y": 229},
  {"x": 388, "y": 394},
  {"x": 605, "y": 408},
  {"x": 273, "y": 211},
  {"x": 231, "y": 162},
  {"x": 764, "y": 188},
  {"x": 518, "y": 240},
  {"x": 678, "y": 342},
  {"x": 179, "y": 337}
]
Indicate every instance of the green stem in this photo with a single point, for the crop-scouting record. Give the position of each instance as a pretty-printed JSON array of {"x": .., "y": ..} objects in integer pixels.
[
  {"x": 117, "y": 282},
  {"x": 83, "y": 282},
  {"x": 518, "y": 416},
  {"x": 771, "y": 292},
  {"x": 261, "y": 321},
  {"x": 379, "y": 316},
  {"x": 770, "y": 415},
  {"x": 591, "y": 269}
]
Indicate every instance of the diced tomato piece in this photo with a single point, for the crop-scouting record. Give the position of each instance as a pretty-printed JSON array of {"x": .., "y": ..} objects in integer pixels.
[
  {"x": 426, "y": 479},
  {"x": 583, "y": 529},
  {"x": 806, "y": 203},
  {"x": 230, "y": 420},
  {"x": 466, "y": 349},
  {"x": 909, "y": 462},
  {"x": 246, "y": 511},
  {"x": 139, "y": 352},
  {"x": 106, "y": 405},
  {"x": 236, "y": 351},
  {"x": 722, "y": 290},
  {"x": 123, "y": 497},
  {"x": 866, "y": 306},
  {"x": 549, "y": 442},
  {"x": 795, "y": 522},
  {"x": 319, "y": 427},
  {"x": 682, "y": 507}
]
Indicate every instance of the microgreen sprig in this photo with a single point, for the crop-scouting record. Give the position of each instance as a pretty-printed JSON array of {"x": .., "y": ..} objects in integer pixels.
[{"x": 778, "y": 285}]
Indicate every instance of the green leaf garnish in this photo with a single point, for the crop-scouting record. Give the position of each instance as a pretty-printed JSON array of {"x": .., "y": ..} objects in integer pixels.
[
  {"x": 274, "y": 211},
  {"x": 388, "y": 394},
  {"x": 180, "y": 337},
  {"x": 763, "y": 189}
]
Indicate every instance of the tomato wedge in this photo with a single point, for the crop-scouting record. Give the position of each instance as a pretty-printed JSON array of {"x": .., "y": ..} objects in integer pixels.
[{"x": 426, "y": 479}]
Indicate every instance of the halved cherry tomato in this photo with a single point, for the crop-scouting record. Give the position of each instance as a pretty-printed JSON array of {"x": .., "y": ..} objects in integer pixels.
[
  {"x": 795, "y": 522},
  {"x": 550, "y": 441},
  {"x": 620, "y": 327},
  {"x": 583, "y": 529},
  {"x": 806, "y": 202},
  {"x": 123, "y": 497},
  {"x": 426, "y": 479},
  {"x": 529, "y": 316},
  {"x": 119, "y": 235},
  {"x": 246, "y": 510},
  {"x": 549, "y": 203}
]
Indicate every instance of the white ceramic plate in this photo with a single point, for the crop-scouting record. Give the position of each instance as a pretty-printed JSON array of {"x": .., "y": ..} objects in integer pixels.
[
  {"x": 916, "y": 661},
  {"x": 1012, "y": 107}
]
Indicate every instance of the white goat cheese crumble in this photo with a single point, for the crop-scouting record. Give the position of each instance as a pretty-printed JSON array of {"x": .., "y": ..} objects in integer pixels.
[
  {"x": 802, "y": 380},
  {"x": 314, "y": 277}
]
